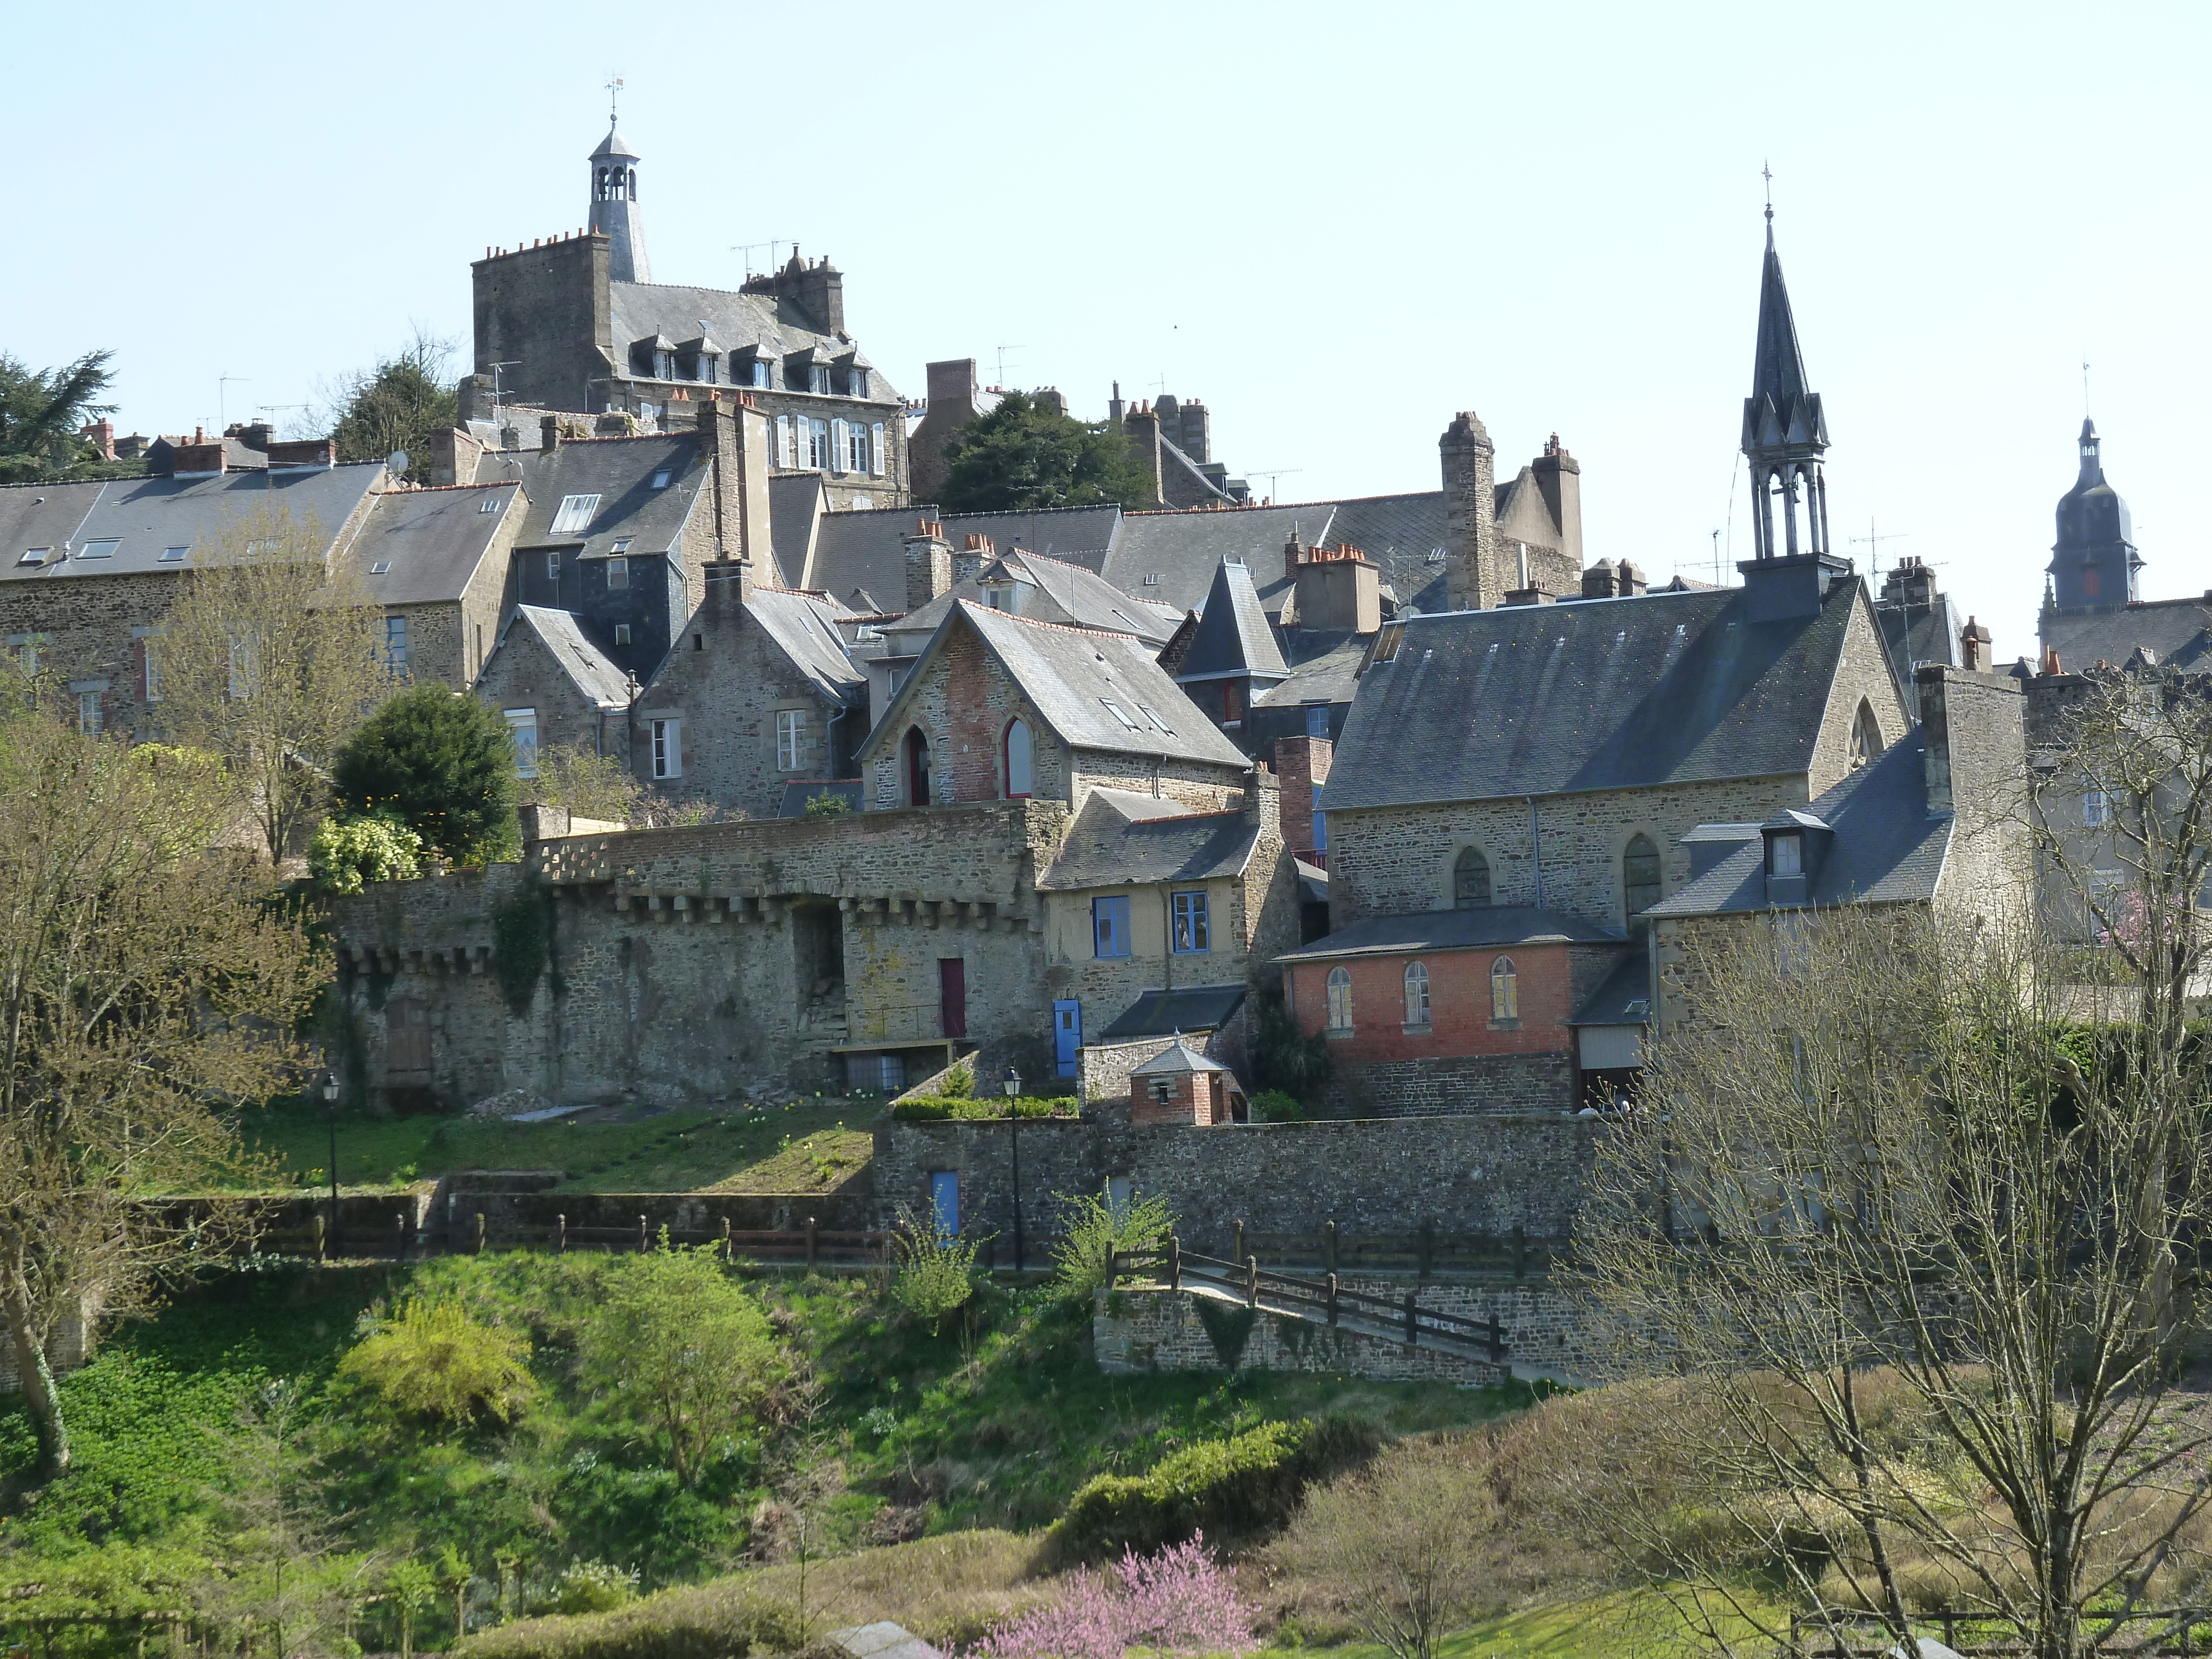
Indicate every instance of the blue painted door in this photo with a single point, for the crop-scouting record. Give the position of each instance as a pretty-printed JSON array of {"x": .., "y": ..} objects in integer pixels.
[
  {"x": 945, "y": 1202},
  {"x": 1067, "y": 1035}
]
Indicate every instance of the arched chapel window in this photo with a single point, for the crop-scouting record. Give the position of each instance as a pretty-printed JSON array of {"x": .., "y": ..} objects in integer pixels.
[
  {"x": 1416, "y": 994},
  {"x": 1505, "y": 989},
  {"x": 1470, "y": 880},
  {"x": 1866, "y": 737},
  {"x": 1639, "y": 874},
  {"x": 1017, "y": 760},
  {"x": 1340, "y": 1000}
]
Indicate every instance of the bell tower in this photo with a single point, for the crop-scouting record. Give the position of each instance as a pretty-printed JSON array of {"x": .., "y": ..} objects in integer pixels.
[
  {"x": 614, "y": 207},
  {"x": 2094, "y": 563},
  {"x": 1784, "y": 433}
]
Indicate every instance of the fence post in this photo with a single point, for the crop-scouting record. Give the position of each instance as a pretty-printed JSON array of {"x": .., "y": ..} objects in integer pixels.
[
  {"x": 1237, "y": 1246},
  {"x": 1175, "y": 1262},
  {"x": 813, "y": 1245},
  {"x": 1251, "y": 1281},
  {"x": 561, "y": 1234},
  {"x": 322, "y": 1241},
  {"x": 1412, "y": 1322},
  {"x": 399, "y": 1238},
  {"x": 1113, "y": 1265},
  {"x": 1520, "y": 1251},
  {"x": 1328, "y": 1243},
  {"x": 643, "y": 1238},
  {"x": 1498, "y": 1351},
  {"x": 1951, "y": 1630},
  {"x": 729, "y": 1254},
  {"x": 1332, "y": 1294},
  {"x": 478, "y": 1250}
]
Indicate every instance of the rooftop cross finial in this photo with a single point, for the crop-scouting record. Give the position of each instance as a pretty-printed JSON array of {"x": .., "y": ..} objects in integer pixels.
[
  {"x": 614, "y": 92},
  {"x": 2085, "y": 391},
  {"x": 1766, "y": 173}
]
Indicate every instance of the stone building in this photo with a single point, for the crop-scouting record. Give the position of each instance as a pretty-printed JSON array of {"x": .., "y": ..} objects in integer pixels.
[
  {"x": 556, "y": 689},
  {"x": 2091, "y": 613},
  {"x": 575, "y": 322}
]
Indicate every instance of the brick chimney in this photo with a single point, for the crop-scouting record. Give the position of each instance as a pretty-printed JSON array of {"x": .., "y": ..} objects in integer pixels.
[
  {"x": 1302, "y": 764},
  {"x": 928, "y": 564},
  {"x": 1469, "y": 461},
  {"x": 1558, "y": 476},
  {"x": 101, "y": 433}
]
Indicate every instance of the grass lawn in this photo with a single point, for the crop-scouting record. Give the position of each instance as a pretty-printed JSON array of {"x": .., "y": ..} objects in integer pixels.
[
  {"x": 1627, "y": 1626},
  {"x": 812, "y": 1146}
]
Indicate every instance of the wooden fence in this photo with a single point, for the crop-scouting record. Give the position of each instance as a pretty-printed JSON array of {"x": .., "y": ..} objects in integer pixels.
[{"x": 2144, "y": 1633}]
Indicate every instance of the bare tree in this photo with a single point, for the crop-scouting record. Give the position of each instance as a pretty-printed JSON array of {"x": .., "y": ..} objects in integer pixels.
[
  {"x": 272, "y": 658},
  {"x": 146, "y": 985},
  {"x": 1909, "y": 1230}
]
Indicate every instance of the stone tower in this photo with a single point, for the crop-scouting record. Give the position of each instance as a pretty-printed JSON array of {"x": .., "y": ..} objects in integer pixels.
[
  {"x": 2093, "y": 564},
  {"x": 1469, "y": 461},
  {"x": 1784, "y": 433},
  {"x": 614, "y": 208}
]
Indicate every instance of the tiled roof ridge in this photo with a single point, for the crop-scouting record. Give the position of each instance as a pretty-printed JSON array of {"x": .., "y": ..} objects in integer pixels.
[{"x": 1031, "y": 621}]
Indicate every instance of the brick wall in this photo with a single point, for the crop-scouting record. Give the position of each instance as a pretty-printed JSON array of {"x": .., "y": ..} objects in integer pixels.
[
  {"x": 1303, "y": 763},
  {"x": 1461, "y": 1018}
]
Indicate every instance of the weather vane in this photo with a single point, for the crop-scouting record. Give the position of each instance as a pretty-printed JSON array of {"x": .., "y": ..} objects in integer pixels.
[
  {"x": 614, "y": 92},
  {"x": 1766, "y": 173}
]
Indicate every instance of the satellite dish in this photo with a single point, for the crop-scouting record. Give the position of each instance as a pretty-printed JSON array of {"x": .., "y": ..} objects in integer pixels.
[{"x": 397, "y": 461}]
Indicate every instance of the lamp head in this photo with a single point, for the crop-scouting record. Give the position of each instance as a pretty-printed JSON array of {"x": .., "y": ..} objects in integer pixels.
[{"x": 1014, "y": 1082}]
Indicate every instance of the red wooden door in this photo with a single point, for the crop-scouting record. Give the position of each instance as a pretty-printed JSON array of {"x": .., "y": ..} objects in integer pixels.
[{"x": 952, "y": 996}]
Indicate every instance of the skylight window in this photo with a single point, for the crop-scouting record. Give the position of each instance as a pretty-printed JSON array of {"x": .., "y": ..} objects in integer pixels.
[
  {"x": 1153, "y": 715},
  {"x": 660, "y": 478},
  {"x": 174, "y": 555},
  {"x": 575, "y": 514},
  {"x": 1119, "y": 713},
  {"x": 34, "y": 555},
  {"x": 100, "y": 549},
  {"x": 489, "y": 504},
  {"x": 622, "y": 544},
  {"x": 381, "y": 568},
  {"x": 1151, "y": 579}
]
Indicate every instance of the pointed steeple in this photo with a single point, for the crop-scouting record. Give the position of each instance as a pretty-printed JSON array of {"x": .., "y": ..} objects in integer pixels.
[
  {"x": 1784, "y": 432},
  {"x": 614, "y": 207}
]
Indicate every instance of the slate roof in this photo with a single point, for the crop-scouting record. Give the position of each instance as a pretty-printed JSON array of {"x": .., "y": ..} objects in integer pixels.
[
  {"x": 1105, "y": 848},
  {"x": 796, "y": 795},
  {"x": 805, "y": 628},
  {"x": 1454, "y": 930},
  {"x": 639, "y": 310},
  {"x": 620, "y": 472},
  {"x": 1886, "y": 850},
  {"x": 1184, "y": 548},
  {"x": 1603, "y": 694},
  {"x": 1918, "y": 633},
  {"x": 863, "y": 552},
  {"x": 1186, "y": 1008},
  {"x": 1234, "y": 639},
  {"x": 143, "y": 516},
  {"x": 1624, "y": 998},
  {"x": 1401, "y": 533},
  {"x": 1081, "y": 600},
  {"x": 1068, "y": 673},
  {"x": 1324, "y": 668},
  {"x": 1073, "y": 535},
  {"x": 795, "y": 501},
  {"x": 1177, "y": 1056},
  {"x": 2174, "y": 628},
  {"x": 586, "y": 667},
  {"x": 434, "y": 540}
]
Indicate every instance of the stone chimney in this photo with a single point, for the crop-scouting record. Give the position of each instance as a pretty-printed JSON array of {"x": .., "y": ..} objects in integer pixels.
[
  {"x": 1469, "y": 462},
  {"x": 1263, "y": 798},
  {"x": 1631, "y": 579},
  {"x": 739, "y": 432},
  {"x": 1560, "y": 476},
  {"x": 1974, "y": 646},
  {"x": 1051, "y": 399},
  {"x": 452, "y": 458},
  {"x": 1598, "y": 581},
  {"x": 1529, "y": 596},
  {"x": 303, "y": 455},
  {"x": 549, "y": 434},
  {"x": 1337, "y": 590},
  {"x": 820, "y": 287},
  {"x": 928, "y": 564},
  {"x": 1143, "y": 426},
  {"x": 1975, "y": 755},
  {"x": 975, "y": 551}
]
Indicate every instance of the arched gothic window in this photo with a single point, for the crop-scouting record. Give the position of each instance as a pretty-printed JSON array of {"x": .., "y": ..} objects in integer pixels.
[
  {"x": 1470, "y": 880},
  {"x": 1505, "y": 989},
  {"x": 1017, "y": 760},
  {"x": 917, "y": 768},
  {"x": 1340, "y": 1000},
  {"x": 1866, "y": 737},
  {"x": 1639, "y": 874},
  {"x": 1416, "y": 994}
]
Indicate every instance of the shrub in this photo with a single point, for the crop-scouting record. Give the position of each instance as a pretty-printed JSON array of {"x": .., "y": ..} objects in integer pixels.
[
  {"x": 938, "y": 1109},
  {"x": 1095, "y": 1229},
  {"x": 722, "y": 1621},
  {"x": 1283, "y": 1056},
  {"x": 349, "y": 851},
  {"x": 936, "y": 1274},
  {"x": 960, "y": 1082},
  {"x": 1247, "y": 1484},
  {"x": 433, "y": 1360},
  {"x": 593, "y": 1587},
  {"x": 1274, "y": 1106},
  {"x": 1177, "y": 1601},
  {"x": 827, "y": 805},
  {"x": 442, "y": 763},
  {"x": 590, "y": 786}
]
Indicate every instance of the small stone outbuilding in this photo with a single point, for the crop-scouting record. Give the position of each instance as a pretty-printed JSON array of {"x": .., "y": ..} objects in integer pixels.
[{"x": 1180, "y": 1085}]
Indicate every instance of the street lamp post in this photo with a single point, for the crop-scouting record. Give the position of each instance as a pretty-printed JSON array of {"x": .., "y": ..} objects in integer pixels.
[
  {"x": 1014, "y": 1144},
  {"x": 331, "y": 1123}
]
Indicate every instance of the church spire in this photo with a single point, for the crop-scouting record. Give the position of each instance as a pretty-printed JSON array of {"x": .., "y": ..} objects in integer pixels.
[
  {"x": 614, "y": 207},
  {"x": 1784, "y": 433}
]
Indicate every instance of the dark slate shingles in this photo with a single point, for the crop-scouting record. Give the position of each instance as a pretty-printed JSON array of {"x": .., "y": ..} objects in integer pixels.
[{"x": 1452, "y": 930}]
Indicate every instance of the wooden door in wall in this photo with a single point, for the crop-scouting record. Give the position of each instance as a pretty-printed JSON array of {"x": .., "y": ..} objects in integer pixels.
[
  {"x": 1067, "y": 1035},
  {"x": 952, "y": 996},
  {"x": 406, "y": 1041}
]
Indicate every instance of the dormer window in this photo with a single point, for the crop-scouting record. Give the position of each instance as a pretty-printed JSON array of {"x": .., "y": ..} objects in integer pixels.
[
  {"x": 856, "y": 383},
  {"x": 757, "y": 373},
  {"x": 1787, "y": 855},
  {"x": 817, "y": 378}
]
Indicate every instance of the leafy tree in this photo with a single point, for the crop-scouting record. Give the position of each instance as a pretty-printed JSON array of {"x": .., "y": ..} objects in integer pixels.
[
  {"x": 1096, "y": 1228},
  {"x": 685, "y": 1352},
  {"x": 402, "y": 403},
  {"x": 146, "y": 984},
  {"x": 1285, "y": 1060},
  {"x": 40, "y": 410},
  {"x": 267, "y": 659},
  {"x": 589, "y": 785},
  {"x": 1024, "y": 455},
  {"x": 349, "y": 852},
  {"x": 936, "y": 1275},
  {"x": 443, "y": 765},
  {"x": 435, "y": 1361}
]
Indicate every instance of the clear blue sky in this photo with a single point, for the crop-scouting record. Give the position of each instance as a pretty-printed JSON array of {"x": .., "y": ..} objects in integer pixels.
[{"x": 1337, "y": 224}]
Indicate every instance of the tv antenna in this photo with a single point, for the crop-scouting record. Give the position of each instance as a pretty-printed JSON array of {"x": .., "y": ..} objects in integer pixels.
[
  {"x": 1872, "y": 543},
  {"x": 512, "y": 362},
  {"x": 744, "y": 250},
  {"x": 1002, "y": 351},
  {"x": 223, "y": 398},
  {"x": 1717, "y": 558},
  {"x": 1271, "y": 473}
]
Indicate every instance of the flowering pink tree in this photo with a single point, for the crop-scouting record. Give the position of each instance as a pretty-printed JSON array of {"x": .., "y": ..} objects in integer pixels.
[{"x": 1177, "y": 1601}]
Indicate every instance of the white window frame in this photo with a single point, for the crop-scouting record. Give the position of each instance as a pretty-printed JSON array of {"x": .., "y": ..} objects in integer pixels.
[
  {"x": 790, "y": 738},
  {"x": 1789, "y": 854},
  {"x": 667, "y": 736},
  {"x": 90, "y": 720},
  {"x": 617, "y": 573},
  {"x": 1340, "y": 1001},
  {"x": 2096, "y": 809},
  {"x": 520, "y": 722},
  {"x": 575, "y": 515},
  {"x": 876, "y": 449}
]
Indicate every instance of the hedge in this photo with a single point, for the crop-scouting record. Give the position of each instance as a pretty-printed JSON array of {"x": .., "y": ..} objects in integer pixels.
[{"x": 938, "y": 1109}]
